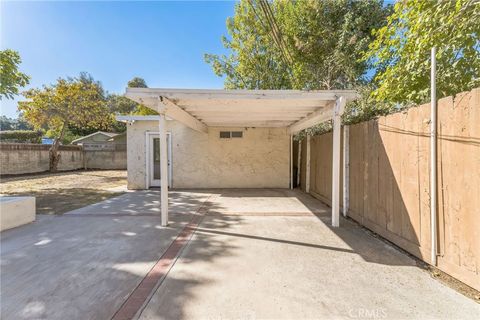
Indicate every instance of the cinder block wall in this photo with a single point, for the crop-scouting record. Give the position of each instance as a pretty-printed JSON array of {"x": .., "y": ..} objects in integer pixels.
[
  {"x": 106, "y": 159},
  {"x": 20, "y": 158}
]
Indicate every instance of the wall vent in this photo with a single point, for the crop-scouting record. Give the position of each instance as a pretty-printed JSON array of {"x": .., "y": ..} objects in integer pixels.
[
  {"x": 231, "y": 134},
  {"x": 237, "y": 134},
  {"x": 225, "y": 135}
]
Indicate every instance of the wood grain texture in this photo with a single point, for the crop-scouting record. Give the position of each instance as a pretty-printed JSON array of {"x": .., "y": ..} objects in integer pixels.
[{"x": 390, "y": 180}]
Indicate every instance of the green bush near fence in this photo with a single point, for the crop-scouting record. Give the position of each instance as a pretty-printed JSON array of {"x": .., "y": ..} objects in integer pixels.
[{"x": 23, "y": 136}]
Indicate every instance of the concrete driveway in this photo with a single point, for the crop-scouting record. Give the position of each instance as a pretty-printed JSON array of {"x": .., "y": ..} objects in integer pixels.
[{"x": 256, "y": 254}]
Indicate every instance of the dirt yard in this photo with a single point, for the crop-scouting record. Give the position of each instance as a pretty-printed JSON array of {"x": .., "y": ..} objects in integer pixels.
[{"x": 61, "y": 192}]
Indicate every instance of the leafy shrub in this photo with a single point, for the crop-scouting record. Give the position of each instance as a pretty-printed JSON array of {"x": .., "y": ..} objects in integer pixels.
[
  {"x": 363, "y": 109},
  {"x": 23, "y": 136}
]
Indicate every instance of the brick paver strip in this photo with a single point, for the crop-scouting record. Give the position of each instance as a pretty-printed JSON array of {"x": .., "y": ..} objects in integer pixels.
[
  {"x": 268, "y": 214},
  {"x": 142, "y": 292}
]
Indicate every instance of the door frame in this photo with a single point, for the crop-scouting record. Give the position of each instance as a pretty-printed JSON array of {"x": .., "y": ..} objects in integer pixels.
[{"x": 148, "y": 136}]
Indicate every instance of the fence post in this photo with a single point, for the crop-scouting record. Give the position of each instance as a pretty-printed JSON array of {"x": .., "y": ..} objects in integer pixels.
[{"x": 84, "y": 153}]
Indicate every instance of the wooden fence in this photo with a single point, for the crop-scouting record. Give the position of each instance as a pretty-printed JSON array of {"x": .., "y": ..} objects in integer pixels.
[{"x": 389, "y": 186}]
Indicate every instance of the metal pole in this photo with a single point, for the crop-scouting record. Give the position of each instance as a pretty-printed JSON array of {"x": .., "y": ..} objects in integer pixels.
[{"x": 433, "y": 158}]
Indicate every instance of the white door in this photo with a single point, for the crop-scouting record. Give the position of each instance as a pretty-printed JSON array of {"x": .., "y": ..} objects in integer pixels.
[{"x": 153, "y": 154}]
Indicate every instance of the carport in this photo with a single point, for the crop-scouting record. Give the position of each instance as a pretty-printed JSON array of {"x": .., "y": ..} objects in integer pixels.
[{"x": 294, "y": 110}]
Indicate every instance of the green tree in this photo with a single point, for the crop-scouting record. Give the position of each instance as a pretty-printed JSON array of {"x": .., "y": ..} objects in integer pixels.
[
  {"x": 119, "y": 104},
  {"x": 298, "y": 44},
  {"x": 401, "y": 50},
  {"x": 137, "y": 82},
  {"x": 76, "y": 102},
  {"x": 14, "y": 124},
  {"x": 11, "y": 79},
  {"x": 6, "y": 123},
  {"x": 140, "y": 109}
]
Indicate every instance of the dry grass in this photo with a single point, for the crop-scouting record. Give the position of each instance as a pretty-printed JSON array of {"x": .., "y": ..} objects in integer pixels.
[{"x": 61, "y": 192}]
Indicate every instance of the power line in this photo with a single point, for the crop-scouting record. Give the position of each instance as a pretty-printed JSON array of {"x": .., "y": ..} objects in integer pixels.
[
  {"x": 273, "y": 27},
  {"x": 279, "y": 33}
]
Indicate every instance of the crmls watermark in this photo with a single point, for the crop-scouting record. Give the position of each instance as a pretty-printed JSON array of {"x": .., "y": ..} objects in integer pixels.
[{"x": 365, "y": 313}]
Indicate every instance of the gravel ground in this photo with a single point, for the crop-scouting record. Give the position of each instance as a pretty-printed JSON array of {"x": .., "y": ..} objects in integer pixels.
[{"x": 57, "y": 193}]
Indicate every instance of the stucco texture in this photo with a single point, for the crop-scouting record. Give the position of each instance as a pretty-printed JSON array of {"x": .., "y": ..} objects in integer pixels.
[{"x": 258, "y": 160}]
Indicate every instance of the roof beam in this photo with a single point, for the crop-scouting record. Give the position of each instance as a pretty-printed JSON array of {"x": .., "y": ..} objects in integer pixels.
[
  {"x": 319, "y": 116},
  {"x": 242, "y": 94},
  {"x": 170, "y": 109},
  {"x": 311, "y": 120},
  {"x": 248, "y": 110},
  {"x": 124, "y": 118},
  {"x": 250, "y": 124},
  {"x": 236, "y": 117}
]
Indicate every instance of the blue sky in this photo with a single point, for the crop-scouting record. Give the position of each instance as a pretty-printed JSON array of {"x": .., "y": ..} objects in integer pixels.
[{"x": 162, "y": 42}]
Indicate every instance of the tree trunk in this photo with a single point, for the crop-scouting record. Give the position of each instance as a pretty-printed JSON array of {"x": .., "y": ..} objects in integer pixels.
[{"x": 53, "y": 153}]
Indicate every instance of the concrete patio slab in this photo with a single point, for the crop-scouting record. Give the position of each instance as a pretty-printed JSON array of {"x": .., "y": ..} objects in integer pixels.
[
  {"x": 265, "y": 202},
  {"x": 83, "y": 265},
  {"x": 145, "y": 203},
  {"x": 256, "y": 254},
  {"x": 260, "y": 267}
]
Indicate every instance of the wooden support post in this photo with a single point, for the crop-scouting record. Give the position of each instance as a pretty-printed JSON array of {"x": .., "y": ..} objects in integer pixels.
[
  {"x": 338, "y": 109},
  {"x": 299, "y": 162},
  {"x": 307, "y": 171},
  {"x": 346, "y": 170},
  {"x": 291, "y": 161},
  {"x": 163, "y": 170}
]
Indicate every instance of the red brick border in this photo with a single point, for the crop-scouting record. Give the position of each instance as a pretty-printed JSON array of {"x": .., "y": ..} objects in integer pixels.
[
  {"x": 269, "y": 214},
  {"x": 139, "y": 297}
]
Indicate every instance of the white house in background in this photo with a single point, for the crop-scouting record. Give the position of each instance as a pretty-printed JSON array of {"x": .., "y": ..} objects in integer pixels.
[
  {"x": 99, "y": 137},
  {"x": 225, "y": 138}
]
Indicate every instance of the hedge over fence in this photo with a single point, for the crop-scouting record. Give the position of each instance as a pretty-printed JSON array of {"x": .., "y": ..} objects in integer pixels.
[{"x": 26, "y": 136}]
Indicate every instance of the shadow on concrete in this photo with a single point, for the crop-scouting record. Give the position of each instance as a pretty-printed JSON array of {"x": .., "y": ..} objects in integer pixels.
[
  {"x": 62, "y": 267},
  {"x": 61, "y": 200},
  {"x": 208, "y": 249},
  {"x": 377, "y": 178},
  {"x": 82, "y": 265},
  {"x": 294, "y": 243}
]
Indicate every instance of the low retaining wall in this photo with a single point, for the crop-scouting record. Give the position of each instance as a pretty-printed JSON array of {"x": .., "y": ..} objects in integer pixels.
[
  {"x": 23, "y": 158},
  {"x": 16, "y": 211}
]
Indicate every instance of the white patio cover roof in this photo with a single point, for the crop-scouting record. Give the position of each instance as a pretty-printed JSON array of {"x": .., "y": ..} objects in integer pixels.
[
  {"x": 292, "y": 109},
  {"x": 203, "y": 108}
]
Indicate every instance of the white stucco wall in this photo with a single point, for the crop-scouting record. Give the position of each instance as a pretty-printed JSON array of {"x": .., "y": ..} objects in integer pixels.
[{"x": 258, "y": 160}]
